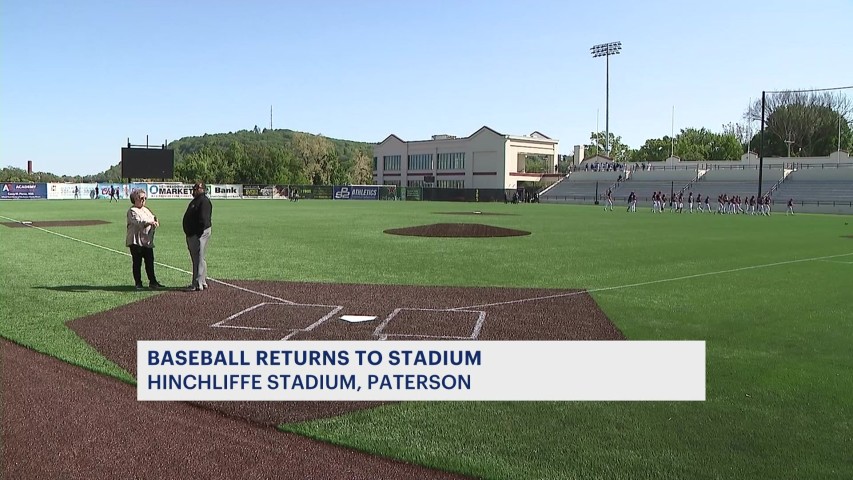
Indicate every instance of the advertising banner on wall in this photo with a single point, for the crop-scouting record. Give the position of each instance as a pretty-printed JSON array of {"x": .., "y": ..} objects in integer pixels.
[
  {"x": 170, "y": 190},
  {"x": 252, "y": 191},
  {"x": 122, "y": 191},
  {"x": 14, "y": 190},
  {"x": 225, "y": 191},
  {"x": 264, "y": 191},
  {"x": 356, "y": 192},
  {"x": 280, "y": 191},
  {"x": 70, "y": 191},
  {"x": 321, "y": 192}
]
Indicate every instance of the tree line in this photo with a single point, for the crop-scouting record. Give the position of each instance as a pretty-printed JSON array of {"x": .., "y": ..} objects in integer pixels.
[
  {"x": 797, "y": 124},
  {"x": 800, "y": 124},
  {"x": 273, "y": 156}
]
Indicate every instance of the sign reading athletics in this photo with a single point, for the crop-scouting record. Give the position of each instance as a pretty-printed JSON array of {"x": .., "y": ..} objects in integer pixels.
[
  {"x": 356, "y": 192},
  {"x": 428, "y": 370}
]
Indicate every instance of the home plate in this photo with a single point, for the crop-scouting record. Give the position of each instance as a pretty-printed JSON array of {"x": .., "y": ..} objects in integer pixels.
[{"x": 358, "y": 318}]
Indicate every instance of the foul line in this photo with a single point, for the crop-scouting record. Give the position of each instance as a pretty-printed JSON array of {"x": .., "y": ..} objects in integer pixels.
[
  {"x": 652, "y": 282},
  {"x": 510, "y": 302},
  {"x": 837, "y": 262},
  {"x": 62, "y": 235}
]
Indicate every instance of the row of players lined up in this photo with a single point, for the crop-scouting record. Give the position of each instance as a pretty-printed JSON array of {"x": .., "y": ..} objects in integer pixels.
[{"x": 732, "y": 205}]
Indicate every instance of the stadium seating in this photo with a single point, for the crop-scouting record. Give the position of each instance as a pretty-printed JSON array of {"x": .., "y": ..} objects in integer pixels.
[
  {"x": 821, "y": 188},
  {"x": 812, "y": 185},
  {"x": 736, "y": 182},
  {"x": 644, "y": 183},
  {"x": 580, "y": 187}
]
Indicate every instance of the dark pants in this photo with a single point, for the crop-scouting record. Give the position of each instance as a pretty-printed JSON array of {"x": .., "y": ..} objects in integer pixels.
[{"x": 138, "y": 254}]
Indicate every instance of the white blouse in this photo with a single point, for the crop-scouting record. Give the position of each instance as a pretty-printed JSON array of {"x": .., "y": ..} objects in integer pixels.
[{"x": 139, "y": 232}]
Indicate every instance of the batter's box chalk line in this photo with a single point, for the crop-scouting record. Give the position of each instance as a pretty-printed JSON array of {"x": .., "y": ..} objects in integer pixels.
[
  {"x": 382, "y": 334},
  {"x": 234, "y": 320}
]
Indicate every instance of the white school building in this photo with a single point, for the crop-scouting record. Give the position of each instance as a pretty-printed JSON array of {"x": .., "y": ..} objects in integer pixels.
[{"x": 484, "y": 159}]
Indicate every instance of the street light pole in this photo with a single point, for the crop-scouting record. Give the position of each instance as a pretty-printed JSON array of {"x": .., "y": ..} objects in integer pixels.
[
  {"x": 605, "y": 50},
  {"x": 761, "y": 142}
]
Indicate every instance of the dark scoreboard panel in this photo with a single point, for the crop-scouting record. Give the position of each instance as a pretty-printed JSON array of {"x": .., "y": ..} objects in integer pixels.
[{"x": 147, "y": 163}]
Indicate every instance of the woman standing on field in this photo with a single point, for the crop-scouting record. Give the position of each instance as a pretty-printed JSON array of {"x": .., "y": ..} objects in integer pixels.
[{"x": 141, "y": 224}]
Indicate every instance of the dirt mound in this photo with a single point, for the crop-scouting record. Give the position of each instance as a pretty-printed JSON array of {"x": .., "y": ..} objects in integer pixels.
[
  {"x": 55, "y": 223},
  {"x": 474, "y": 213},
  {"x": 468, "y": 230}
]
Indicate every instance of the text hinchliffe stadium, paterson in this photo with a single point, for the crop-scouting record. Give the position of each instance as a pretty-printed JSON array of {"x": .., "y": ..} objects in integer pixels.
[
  {"x": 300, "y": 358},
  {"x": 238, "y": 381}
]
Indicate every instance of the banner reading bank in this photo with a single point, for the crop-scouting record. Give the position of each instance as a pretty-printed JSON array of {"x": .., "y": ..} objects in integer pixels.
[
  {"x": 14, "y": 190},
  {"x": 225, "y": 191}
]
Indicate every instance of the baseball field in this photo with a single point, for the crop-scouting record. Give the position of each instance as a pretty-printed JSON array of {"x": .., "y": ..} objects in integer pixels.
[{"x": 772, "y": 297}]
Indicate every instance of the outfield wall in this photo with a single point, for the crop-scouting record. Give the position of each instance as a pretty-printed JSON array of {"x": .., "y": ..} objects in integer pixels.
[
  {"x": 174, "y": 190},
  {"x": 91, "y": 191}
]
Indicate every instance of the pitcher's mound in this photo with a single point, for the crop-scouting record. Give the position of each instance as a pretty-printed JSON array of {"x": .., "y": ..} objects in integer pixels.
[{"x": 457, "y": 230}]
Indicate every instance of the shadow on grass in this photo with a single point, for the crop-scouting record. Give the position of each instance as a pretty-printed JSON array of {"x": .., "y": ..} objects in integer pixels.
[{"x": 102, "y": 288}]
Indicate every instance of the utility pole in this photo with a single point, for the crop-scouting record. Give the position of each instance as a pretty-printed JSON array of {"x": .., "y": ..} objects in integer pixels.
[
  {"x": 789, "y": 142},
  {"x": 672, "y": 135}
]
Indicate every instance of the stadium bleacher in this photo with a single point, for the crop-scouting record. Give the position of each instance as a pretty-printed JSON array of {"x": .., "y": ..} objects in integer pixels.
[
  {"x": 736, "y": 182},
  {"x": 644, "y": 183},
  {"x": 817, "y": 188},
  {"x": 813, "y": 185},
  {"x": 580, "y": 187}
]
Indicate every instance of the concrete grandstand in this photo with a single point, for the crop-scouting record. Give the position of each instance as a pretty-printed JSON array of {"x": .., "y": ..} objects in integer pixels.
[{"x": 819, "y": 184}]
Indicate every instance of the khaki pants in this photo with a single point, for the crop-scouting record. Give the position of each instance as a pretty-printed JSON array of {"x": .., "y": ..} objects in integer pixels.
[{"x": 197, "y": 246}]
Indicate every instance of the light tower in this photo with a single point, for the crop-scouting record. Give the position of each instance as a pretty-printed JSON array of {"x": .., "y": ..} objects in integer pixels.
[{"x": 606, "y": 50}]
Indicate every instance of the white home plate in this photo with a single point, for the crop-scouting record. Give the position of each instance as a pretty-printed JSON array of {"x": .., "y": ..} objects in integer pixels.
[{"x": 358, "y": 318}]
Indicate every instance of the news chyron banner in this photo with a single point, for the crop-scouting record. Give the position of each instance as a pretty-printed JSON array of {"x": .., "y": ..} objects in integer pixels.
[
  {"x": 356, "y": 192},
  {"x": 16, "y": 190},
  {"x": 423, "y": 370}
]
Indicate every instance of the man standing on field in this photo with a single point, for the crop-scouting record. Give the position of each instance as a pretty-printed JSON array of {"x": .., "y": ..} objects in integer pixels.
[{"x": 197, "y": 229}]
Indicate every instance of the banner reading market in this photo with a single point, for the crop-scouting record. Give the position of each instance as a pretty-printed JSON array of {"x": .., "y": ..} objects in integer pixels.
[{"x": 170, "y": 190}]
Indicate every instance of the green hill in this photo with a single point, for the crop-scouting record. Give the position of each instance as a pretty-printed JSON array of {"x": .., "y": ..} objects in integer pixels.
[{"x": 248, "y": 156}]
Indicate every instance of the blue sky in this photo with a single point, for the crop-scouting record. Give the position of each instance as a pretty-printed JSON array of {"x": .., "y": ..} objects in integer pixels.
[{"x": 77, "y": 79}]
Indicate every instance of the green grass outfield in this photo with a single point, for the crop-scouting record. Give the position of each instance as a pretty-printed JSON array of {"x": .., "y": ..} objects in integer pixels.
[{"x": 779, "y": 337}]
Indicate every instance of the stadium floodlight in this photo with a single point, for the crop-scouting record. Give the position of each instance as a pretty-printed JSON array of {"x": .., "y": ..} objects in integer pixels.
[{"x": 606, "y": 50}]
